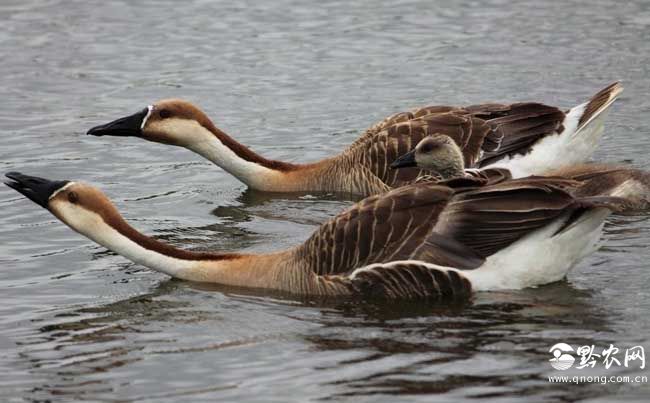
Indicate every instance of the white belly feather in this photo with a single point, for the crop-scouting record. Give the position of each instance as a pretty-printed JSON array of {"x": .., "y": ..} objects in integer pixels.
[{"x": 540, "y": 257}]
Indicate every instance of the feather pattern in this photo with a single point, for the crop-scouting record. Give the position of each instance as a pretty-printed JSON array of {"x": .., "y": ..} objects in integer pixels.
[
  {"x": 379, "y": 228},
  {"x": 630, "y": 184},
  {"x": 377, "y": 149},
  {"x": 456, "y": 225},
  {"x": 410, "y": 279},
  {"x": 491, "y": 218}
]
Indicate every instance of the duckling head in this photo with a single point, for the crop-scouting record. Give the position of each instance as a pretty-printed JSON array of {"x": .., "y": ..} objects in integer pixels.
[{"x": 438, "y": 153}]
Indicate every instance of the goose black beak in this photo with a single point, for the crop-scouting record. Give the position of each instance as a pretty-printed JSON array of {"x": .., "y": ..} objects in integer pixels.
[
  {"x": 34, "y": 188},
  {"x": 126, "y": 126},
  {"x": 404, "y": 161}
]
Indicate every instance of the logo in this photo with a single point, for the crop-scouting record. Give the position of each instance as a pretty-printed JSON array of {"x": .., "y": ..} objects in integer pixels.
[
  {"x": 590, "y": 356},
  {"x": 561, "y": 361}
]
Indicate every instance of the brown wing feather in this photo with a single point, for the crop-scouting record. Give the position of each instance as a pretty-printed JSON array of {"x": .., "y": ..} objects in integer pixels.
[
  {"x": 409, "y": 280},
  {"x": 398, "y": 118},
  {"x": 491, "y": 218},
  {"x": 387, "y": 227},
  {"x": 377, "y": 150},
  {"x": 518, "y": 125},
  {"x": 607, "y": 180}
]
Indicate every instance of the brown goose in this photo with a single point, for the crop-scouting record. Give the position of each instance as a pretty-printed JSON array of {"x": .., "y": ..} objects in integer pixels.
[
  {"x": 440, "y": 155},
  {"x": 417, "y": 241},
  {"x": 524, "y": 137}
]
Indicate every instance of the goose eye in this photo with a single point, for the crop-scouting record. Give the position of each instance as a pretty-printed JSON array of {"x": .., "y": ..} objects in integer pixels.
[
  {"x": 164, "y": 113},
  {"x": 72, "y": 197},
  {"x": 426, "y": 148}
]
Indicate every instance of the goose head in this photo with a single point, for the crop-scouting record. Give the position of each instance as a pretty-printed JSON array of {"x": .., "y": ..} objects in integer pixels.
[
  {"x": 438, "y": 153},
  {"x": 169, "y": 121},
  {"x": 177, "y": 122},
  {"x": 91, "y": 213},
  {"x": 82, "y": 207}
]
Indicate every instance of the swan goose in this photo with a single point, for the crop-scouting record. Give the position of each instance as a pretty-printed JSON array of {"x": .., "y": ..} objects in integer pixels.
[
  {"x": 432, "y": 241},
  {"x": 526, "y": 138},
  {"x": 441, "y": 156}
]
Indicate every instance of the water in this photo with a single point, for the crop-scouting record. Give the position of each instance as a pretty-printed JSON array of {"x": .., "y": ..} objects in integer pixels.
[{"x": 298, "y": 82}]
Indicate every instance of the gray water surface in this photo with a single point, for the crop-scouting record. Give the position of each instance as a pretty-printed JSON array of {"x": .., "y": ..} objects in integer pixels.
[{"x": 298, "y": 82}]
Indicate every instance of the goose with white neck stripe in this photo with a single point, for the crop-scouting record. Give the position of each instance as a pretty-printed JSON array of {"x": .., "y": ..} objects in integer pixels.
[
  {"x": 526, "y": 138},
  {"x": 422, "y": 241}
]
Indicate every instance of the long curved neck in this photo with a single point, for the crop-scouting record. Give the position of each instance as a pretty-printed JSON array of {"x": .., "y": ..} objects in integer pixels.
[
  {"x": 330, "y": 174},
  {"x": 229, "y": 269},
  {"x": 246, "y": 165}
]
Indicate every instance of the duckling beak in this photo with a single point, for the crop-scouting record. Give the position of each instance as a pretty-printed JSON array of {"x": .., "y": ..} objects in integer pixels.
[
  {"x": 404, "y": 161},
  {"x": 34, "y": 188},
  {"x": 127, "y": 126}
]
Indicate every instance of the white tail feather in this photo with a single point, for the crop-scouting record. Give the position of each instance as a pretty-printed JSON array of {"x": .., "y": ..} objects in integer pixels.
[{"x": 583, "y": 128}]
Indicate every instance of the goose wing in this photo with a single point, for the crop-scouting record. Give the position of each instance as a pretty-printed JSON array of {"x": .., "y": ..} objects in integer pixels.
[
  {"x": 490, "y": 218},
  {"x": 410, "y": 279},
  {"x": 383, "y": 228},
  {"x": 518, "y": 126},
  {"x": 633, "y": 185}
]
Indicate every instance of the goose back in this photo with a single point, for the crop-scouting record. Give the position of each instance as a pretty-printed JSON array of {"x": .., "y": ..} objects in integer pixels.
[
  {"x": 485, "y": 133},
  {"x": 457, "y": 225}
]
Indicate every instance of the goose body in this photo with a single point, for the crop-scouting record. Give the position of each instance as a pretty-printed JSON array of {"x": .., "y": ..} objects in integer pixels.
[
  {"x": 527, "y": 138},
  {"x": 418, "y": 241}
]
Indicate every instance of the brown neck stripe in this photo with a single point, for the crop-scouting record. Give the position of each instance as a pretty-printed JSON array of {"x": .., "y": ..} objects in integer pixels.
[
  {"x": 246, "y": 153},
  {"x": 121, "y": 226}
]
